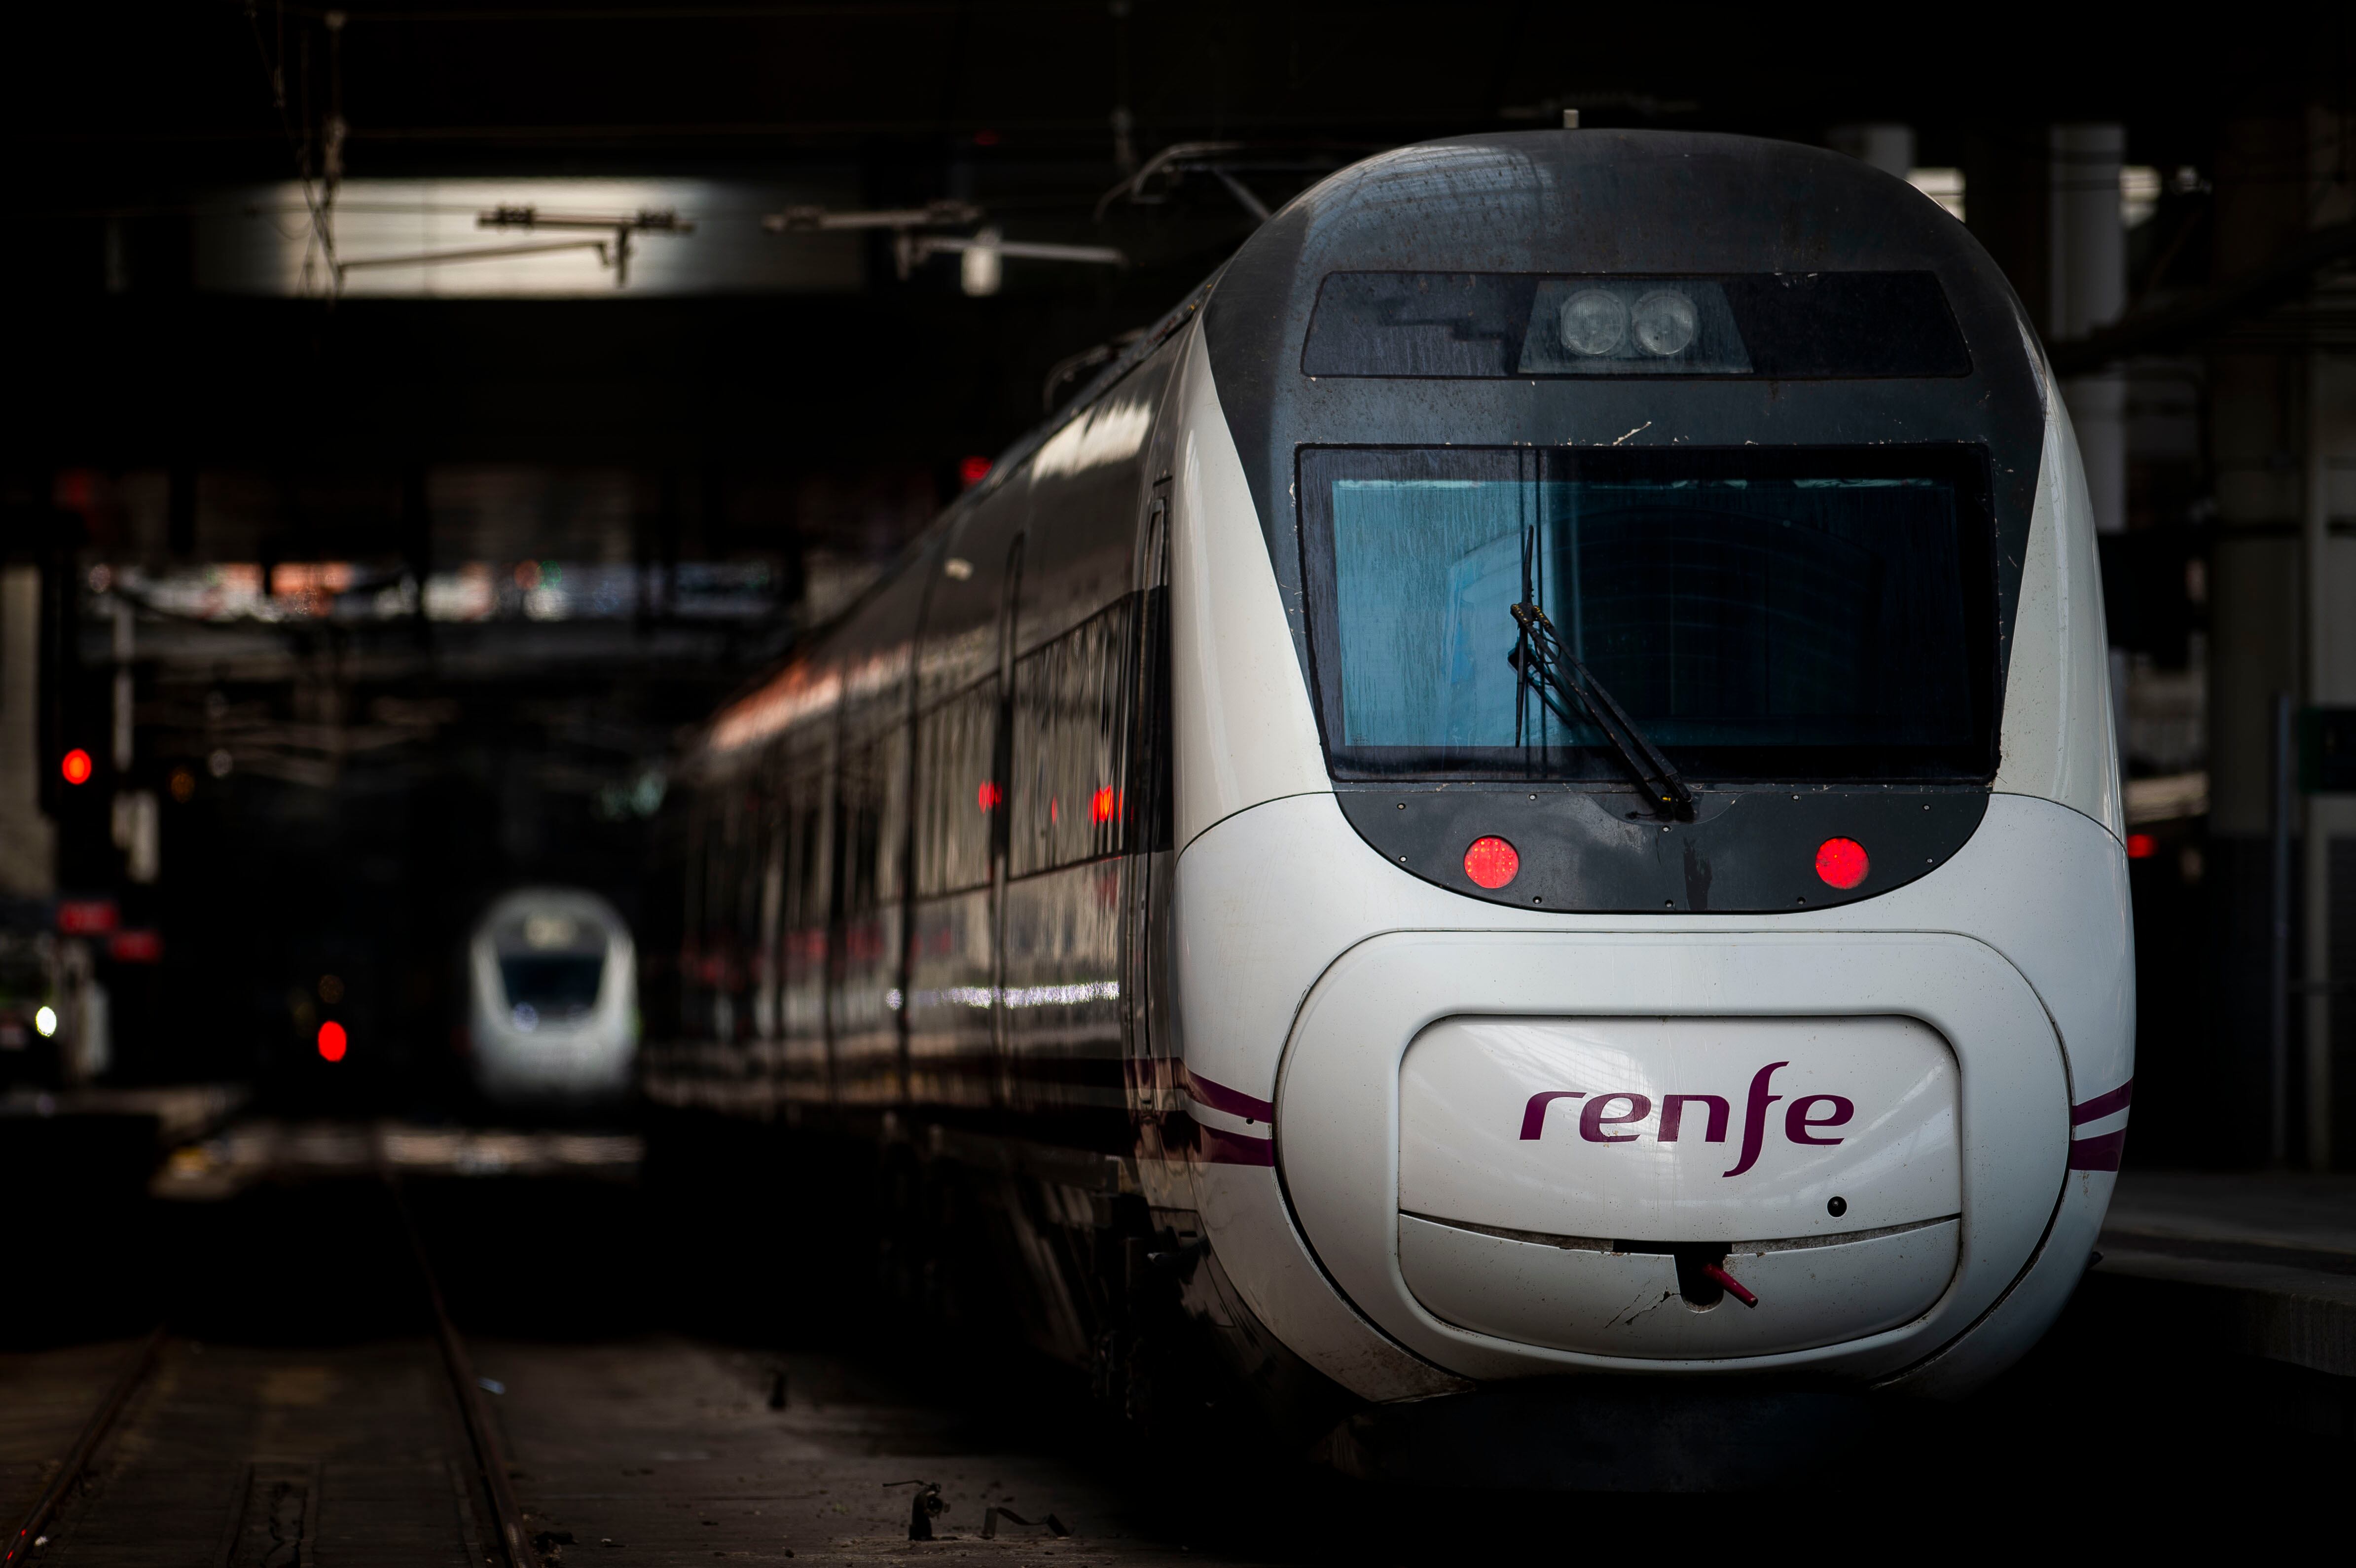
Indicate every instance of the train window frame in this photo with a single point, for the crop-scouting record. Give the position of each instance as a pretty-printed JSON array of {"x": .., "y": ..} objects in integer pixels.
[{"x": 1965, "y": 464}]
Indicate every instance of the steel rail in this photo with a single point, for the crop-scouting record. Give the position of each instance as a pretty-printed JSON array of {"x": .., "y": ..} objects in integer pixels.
[
  {"x": 482, "y": 1431},
  {"x": 93, "y": 1432}
]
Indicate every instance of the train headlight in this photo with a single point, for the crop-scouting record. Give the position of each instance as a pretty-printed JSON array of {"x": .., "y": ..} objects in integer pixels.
[
  {"x": 1665, "y": 323},
  {"x": 1595, "y": 323},
  {"x": 44, "y": 1021}
]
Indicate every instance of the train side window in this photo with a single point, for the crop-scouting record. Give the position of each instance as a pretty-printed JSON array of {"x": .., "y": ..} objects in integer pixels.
[
  {"x": 957, "y": 794},
  {"x": 694, "y": 930},
  {"x": 1073, "y": 797},
  {"x": 873, "y": 806},
  {"x": 809, "y": 902},
  {"x": 720, "y": 956},
  {"x": 769, "y": 934}
]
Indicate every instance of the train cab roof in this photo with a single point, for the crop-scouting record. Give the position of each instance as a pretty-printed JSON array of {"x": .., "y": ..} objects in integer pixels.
[{"x": 1419, "y": 299}]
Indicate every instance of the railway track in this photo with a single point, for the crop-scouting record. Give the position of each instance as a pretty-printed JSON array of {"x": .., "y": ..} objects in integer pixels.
[
  {"x": 284, "y": 1427},
  {"x": 27, "y": 1537}
]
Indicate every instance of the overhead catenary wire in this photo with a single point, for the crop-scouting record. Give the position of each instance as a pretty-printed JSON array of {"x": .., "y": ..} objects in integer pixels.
[{"x": 323, "y": 231}]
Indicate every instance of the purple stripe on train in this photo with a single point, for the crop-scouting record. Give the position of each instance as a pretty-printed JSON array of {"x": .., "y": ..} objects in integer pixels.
[
  {"x": 1217, "y": 1146},
  {"x": 1219, "y": 1097},
  {"x": 2101, "y": 1105},
  {"x": 2100, "y": 1153}
]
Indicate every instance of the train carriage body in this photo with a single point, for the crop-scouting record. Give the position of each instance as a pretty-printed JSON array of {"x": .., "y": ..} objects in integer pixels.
[{"x": 1526, "y": 788}]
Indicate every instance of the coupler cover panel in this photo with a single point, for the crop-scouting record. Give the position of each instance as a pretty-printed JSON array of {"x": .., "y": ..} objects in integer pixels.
[{"x": 1572, "y": 1182}]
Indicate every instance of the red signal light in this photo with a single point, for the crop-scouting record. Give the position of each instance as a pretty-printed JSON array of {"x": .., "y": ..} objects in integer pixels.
[
  {"x": 1491, "y": 862},
  {"x": 135, "y": 947},
  {"x": 973, "y": 470},
  {"x": 332, "y": 1041},
  {"x": 1102, "y": 805},
  {"x": 88, "y": 917},
  {"x": 76, "y": 766},
  {"x": 1842, "y": 863},
  {"x": 988, "y": 795},
  {"x": 2142, "y": 846}
]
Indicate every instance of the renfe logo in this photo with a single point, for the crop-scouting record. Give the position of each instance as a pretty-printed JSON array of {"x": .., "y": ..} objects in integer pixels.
[{"x": 1800, "y": 1121}]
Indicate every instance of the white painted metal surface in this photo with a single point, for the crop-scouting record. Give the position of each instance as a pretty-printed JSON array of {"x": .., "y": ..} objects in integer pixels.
[{"x": 1628, "y": 1304}]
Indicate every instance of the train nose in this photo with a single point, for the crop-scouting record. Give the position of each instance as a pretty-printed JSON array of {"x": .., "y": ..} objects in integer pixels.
[
  {"x": 1677, "y": 1187},
  {"x": 1515, "y": 1152}
]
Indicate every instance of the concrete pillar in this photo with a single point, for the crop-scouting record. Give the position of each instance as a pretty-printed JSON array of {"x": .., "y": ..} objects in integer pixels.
[
  {"x": 2327, "y": 558},
  {"x": 2316, "y": 618},
  {"x": 2086, "y": 249},
  {"x": 1887, "y": 147},
  {"x": 2086, "y": 289},
  {"x": 28, "y": 858}
]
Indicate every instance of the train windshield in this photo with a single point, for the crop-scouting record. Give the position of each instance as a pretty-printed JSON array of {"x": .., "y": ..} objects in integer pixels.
[
  {"x": 553, "y": 985},
  {"x": 1761, "y": 614}
]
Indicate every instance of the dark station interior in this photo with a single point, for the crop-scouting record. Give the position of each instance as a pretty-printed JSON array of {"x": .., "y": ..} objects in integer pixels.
[{"x": 426, "y": 419}]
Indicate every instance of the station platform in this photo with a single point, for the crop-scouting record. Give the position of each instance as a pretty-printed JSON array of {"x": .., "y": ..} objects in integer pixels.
[
  {"x": 177, "y": 1113},
  {"x": 2260, "y": 1265},
  {"x": 94, "y": 1147}
]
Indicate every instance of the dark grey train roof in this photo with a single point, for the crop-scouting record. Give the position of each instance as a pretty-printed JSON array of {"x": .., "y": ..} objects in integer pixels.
[{"x": 1606, "y": 202}]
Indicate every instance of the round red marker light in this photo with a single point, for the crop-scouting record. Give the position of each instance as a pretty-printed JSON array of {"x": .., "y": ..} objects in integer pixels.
[
  {"x": 1842, "y": 863},
  {"x": 76, "y": 766},
  {"x": 2142, "y": 846},
  {"x": 331, "y": 1040},
  {"x": 1491, "y": 862}
]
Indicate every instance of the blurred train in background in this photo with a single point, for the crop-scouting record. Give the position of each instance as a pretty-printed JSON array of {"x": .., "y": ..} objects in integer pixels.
[{"x": 552, "y": 1002}]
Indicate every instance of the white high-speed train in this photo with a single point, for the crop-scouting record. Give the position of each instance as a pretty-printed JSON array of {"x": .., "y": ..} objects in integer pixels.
[
  {"x": 1513, "y": 816},
  {"x": 553, "y": 1000}
]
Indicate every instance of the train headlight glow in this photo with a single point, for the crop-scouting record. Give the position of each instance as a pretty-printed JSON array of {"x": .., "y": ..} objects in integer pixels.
[
  {"x": 1595, "y": 323},
  {"x": 547, "y": 930},
  {"x": 44, "y": 1021},
  {"x": 1665, "y": 323},
  {"x": 1842, "y": 863},
  {"x": 1491, "y": 862}
]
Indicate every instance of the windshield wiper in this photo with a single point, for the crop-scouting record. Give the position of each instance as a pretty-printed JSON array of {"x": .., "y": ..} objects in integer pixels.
[{"x": 1546, "y": 667}]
